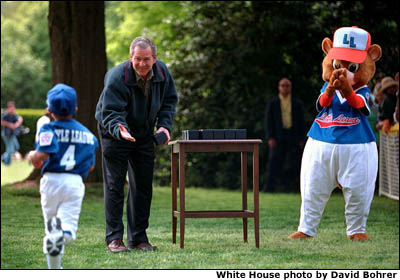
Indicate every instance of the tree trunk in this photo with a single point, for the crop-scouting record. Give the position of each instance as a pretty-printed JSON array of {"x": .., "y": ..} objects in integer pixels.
[{"x": 77, "y": 42}]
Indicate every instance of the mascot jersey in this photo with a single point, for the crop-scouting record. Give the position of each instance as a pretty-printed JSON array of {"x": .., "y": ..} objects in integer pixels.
[
  {"x": 72, "y": 147},
  {"x": 340, "y": 123}
]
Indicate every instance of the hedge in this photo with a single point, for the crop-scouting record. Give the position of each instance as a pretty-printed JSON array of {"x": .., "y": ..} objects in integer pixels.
[{"x": 26, "y": 141}]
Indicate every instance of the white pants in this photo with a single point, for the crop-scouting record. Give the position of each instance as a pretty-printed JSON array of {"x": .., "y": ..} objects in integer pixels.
[
  {"x": 61, "y": 196},
  {"x": 324, "y": 165}
]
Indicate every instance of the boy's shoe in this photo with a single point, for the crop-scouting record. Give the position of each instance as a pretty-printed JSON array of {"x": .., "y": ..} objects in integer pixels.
[{"x": 54, "y": 241}]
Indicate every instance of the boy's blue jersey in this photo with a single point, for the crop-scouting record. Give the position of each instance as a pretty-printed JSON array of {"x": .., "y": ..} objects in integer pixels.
[
  {"x": 340, "y": 123},
  {"x": 72, "y": 147}
]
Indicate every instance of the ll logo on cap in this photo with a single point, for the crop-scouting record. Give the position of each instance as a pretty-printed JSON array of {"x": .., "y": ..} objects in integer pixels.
[{"x": 346, "y": 42}]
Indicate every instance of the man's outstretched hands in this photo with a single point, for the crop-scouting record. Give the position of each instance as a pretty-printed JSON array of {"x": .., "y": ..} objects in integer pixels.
[
  {"x": 162, "y": 129},
  {"x": 125, "y": 133}
]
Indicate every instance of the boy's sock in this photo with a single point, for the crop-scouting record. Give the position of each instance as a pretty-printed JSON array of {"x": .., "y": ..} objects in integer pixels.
[{"x": 54, "y": 262}]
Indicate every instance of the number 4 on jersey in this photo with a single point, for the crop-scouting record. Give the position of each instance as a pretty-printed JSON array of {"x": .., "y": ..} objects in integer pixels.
[{"x": 68, "y": 159}]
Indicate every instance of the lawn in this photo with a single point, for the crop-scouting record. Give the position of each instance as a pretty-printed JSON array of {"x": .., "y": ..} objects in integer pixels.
[
  {"x": 16, "y": 171},
  {"x": 209, "y": 243}
]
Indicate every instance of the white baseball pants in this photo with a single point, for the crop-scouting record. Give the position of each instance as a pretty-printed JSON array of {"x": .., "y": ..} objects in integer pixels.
[
  {"x": 61, "y": 196},
  {"x": 324, "y": 165}
]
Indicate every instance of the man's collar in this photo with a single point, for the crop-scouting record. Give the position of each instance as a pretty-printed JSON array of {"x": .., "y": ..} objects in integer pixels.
[
  {"x": 148, "y": 78},
  {"x": 288, "y": 97},
  {"x": 158, "y": 75}
]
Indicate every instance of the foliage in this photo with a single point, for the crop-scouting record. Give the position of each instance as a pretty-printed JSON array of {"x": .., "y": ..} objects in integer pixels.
[
  {"x": 25, "y": 53},
  {"x": 209, "y": 243},
  {"x": 129, "y": 19},
  {"x": 233, "y": 54}
]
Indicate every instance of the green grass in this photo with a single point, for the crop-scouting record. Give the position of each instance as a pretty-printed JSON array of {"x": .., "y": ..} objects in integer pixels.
[
  {"x": 16, "y": 171},
  {"x": 209, "y": 243}
]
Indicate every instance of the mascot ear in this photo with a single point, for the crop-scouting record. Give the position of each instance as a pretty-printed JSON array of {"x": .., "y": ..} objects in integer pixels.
[
  {"x": 326, "y": 45},
  {"x": 375, "y": 52}
]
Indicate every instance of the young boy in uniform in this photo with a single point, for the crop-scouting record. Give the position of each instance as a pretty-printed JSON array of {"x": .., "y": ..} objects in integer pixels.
[{"x": 65, "y": 152}]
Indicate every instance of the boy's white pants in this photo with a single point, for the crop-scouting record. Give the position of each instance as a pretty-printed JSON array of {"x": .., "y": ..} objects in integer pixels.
[
  {"x": 323, "y": 167},
  {"x": 61, "y": 196}
]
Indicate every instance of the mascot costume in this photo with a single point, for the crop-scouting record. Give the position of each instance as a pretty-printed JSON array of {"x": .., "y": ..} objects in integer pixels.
[{"x": 341, "y": 149}]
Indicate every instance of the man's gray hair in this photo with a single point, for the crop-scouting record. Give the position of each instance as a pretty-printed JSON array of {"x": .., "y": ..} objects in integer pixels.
[{"x": 143, "y": 43}]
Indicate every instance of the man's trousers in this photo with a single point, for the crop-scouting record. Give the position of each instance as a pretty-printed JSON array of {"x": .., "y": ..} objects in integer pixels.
[{"x": 136, "y": 158}]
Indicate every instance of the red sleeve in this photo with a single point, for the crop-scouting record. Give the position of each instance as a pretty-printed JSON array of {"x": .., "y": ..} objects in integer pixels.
[
  {"x": 355, "y": 101},
  {"x": 325, "y": 100}
]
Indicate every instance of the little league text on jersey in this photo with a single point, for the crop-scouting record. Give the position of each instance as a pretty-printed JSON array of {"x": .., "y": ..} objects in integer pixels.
[
  {"x": 74, "y": 136},
  {"x": 326, "y": 120}
]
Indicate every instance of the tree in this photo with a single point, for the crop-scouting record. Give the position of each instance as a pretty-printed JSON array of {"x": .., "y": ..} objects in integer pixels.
[{"x": 77, "y": 42}]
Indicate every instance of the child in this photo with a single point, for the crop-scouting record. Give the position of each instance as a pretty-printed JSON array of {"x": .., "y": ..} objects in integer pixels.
[{"x": 66, "y": 153}]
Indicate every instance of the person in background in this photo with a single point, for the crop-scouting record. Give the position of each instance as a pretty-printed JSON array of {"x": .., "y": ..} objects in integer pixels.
[
  {"x": 46, "y": 118},
  {"x": 10, "y": 123},
  {"x": 396, "y": 113},
  {"x": 389, "y": 87},
  {"x": 285, "y": 131}
]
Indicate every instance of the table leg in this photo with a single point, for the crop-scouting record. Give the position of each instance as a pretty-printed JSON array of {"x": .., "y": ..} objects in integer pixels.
[
  {"x": 244, "y": 191},
  {"x": 174, "y": 176},
  {"x": 182, "y": 197},
  {"x": 256, "y": 195}
]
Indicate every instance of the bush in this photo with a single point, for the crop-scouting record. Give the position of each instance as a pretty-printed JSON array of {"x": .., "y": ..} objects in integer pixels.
[{"x": 27, "y": 141}]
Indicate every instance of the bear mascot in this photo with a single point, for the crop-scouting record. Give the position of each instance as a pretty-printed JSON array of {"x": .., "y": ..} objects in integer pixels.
[{"x": 341, "y": 148}]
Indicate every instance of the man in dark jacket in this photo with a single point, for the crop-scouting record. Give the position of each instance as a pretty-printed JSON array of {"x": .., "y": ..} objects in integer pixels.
[
  {"x": 285, "y": 129},
  {"x": 138, "y": 95}
]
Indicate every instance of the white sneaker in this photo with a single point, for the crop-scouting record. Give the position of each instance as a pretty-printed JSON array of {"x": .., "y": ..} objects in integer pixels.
[{"x": 54, "y": 241}]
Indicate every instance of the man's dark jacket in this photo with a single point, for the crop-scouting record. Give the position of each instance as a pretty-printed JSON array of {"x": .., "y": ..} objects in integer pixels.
[
  {"x": 273, "y": 120},
  {"x": 123, "y": 102}
]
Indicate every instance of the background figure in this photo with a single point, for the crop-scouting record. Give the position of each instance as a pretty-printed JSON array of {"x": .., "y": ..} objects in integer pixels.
[
  {"x": 46, "y": 118},
  {"x": 285, "y": 129},
  {"x": 388, "y": 88},
  {"x": 10, "y": 123},
  {"x": 396, "y": 113},
  {"x": 138, "y": 95}
]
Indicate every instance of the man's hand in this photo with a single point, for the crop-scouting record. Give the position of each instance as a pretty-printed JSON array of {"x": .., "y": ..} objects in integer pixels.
[
  {"x": 125, "y": 133},
  {"x": 162, "y": 129}
]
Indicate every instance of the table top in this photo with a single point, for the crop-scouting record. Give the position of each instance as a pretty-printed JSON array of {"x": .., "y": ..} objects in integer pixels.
[{"x": 225, "y": 141}]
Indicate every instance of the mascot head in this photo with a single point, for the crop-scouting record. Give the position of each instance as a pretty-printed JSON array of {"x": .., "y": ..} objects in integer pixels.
[{"x": 351, "y": 49}]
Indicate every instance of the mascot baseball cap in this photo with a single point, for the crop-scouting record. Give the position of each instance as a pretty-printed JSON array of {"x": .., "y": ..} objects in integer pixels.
[
  {"x": 61, "y": 100},
  {"x": 350, "y": 44}
]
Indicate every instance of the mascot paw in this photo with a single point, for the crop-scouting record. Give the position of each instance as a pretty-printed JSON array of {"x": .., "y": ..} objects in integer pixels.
[
  {"x": 359, "y": 237},
  {"x": 299, "y": 235}
]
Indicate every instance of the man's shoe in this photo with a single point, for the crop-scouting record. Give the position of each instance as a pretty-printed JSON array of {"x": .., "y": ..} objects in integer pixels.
[
  {"x": 54, "y": 240},
  {"x": 145, "y": 246},
  {"x": 117, "y": 246}
]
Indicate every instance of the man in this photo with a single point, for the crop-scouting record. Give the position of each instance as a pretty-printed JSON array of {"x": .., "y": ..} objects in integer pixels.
[
  {"x": 10, "y": 122},
  {"x": 285, "y": 127},
  {"x": 138, "y": 95}
]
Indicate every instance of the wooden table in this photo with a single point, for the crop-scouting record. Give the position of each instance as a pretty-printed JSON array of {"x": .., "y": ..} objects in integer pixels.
[{"x": 178, "y": 150}]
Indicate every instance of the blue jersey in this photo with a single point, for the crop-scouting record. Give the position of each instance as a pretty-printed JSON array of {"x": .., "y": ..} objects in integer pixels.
[
  {"x": 72, "y": 147},
  {"x": 340, "y": 123}
]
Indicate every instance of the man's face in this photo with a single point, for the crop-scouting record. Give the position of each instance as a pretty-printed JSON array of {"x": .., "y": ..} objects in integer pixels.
[
  {"x": 285, "y": 87},
  {"x": 142, "y": 60},
  {"x": 11, "y": 109}
]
